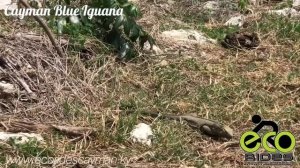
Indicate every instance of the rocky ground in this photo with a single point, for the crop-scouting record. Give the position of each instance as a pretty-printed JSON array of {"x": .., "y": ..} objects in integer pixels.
[{"x": 189, "y": 71}]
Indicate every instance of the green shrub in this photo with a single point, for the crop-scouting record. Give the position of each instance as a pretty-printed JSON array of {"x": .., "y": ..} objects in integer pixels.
[{"x": 121, "y": 32}]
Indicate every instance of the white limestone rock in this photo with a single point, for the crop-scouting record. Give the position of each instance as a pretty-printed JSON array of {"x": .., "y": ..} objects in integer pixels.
[
  {"x": 20, "y": 138},
  {"x": 236, "y": 21},
  {"x": 7, "y": 88},
  {"x": 142, "y": 133},
  {"x": 186, "y": 37}
]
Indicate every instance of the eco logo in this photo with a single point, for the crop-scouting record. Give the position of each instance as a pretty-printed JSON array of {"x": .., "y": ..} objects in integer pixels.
[{"x": 278, "y": 145}]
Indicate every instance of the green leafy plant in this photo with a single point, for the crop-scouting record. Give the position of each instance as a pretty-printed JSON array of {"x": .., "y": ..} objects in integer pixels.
[
  {"x": 219, "y": 33},
  {"x": 243, "y": 4},
  {"x": 31, "y": 148},
  {"x": 121, "y": 32}
]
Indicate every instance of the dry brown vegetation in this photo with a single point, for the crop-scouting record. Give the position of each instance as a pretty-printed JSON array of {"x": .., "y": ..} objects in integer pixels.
[{"x": 91, "y": 89}]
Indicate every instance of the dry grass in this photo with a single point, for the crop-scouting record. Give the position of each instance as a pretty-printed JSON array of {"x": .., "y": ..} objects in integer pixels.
[{"x": 93, "y": 90}]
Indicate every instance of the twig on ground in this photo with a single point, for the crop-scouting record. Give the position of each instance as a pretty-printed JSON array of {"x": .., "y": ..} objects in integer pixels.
[
  {"x": 26, "y": 126},
  {"x": 20, "y": 80},
  {"x": 25, "y": 85},
  {"x": 47, "y": 30}
]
